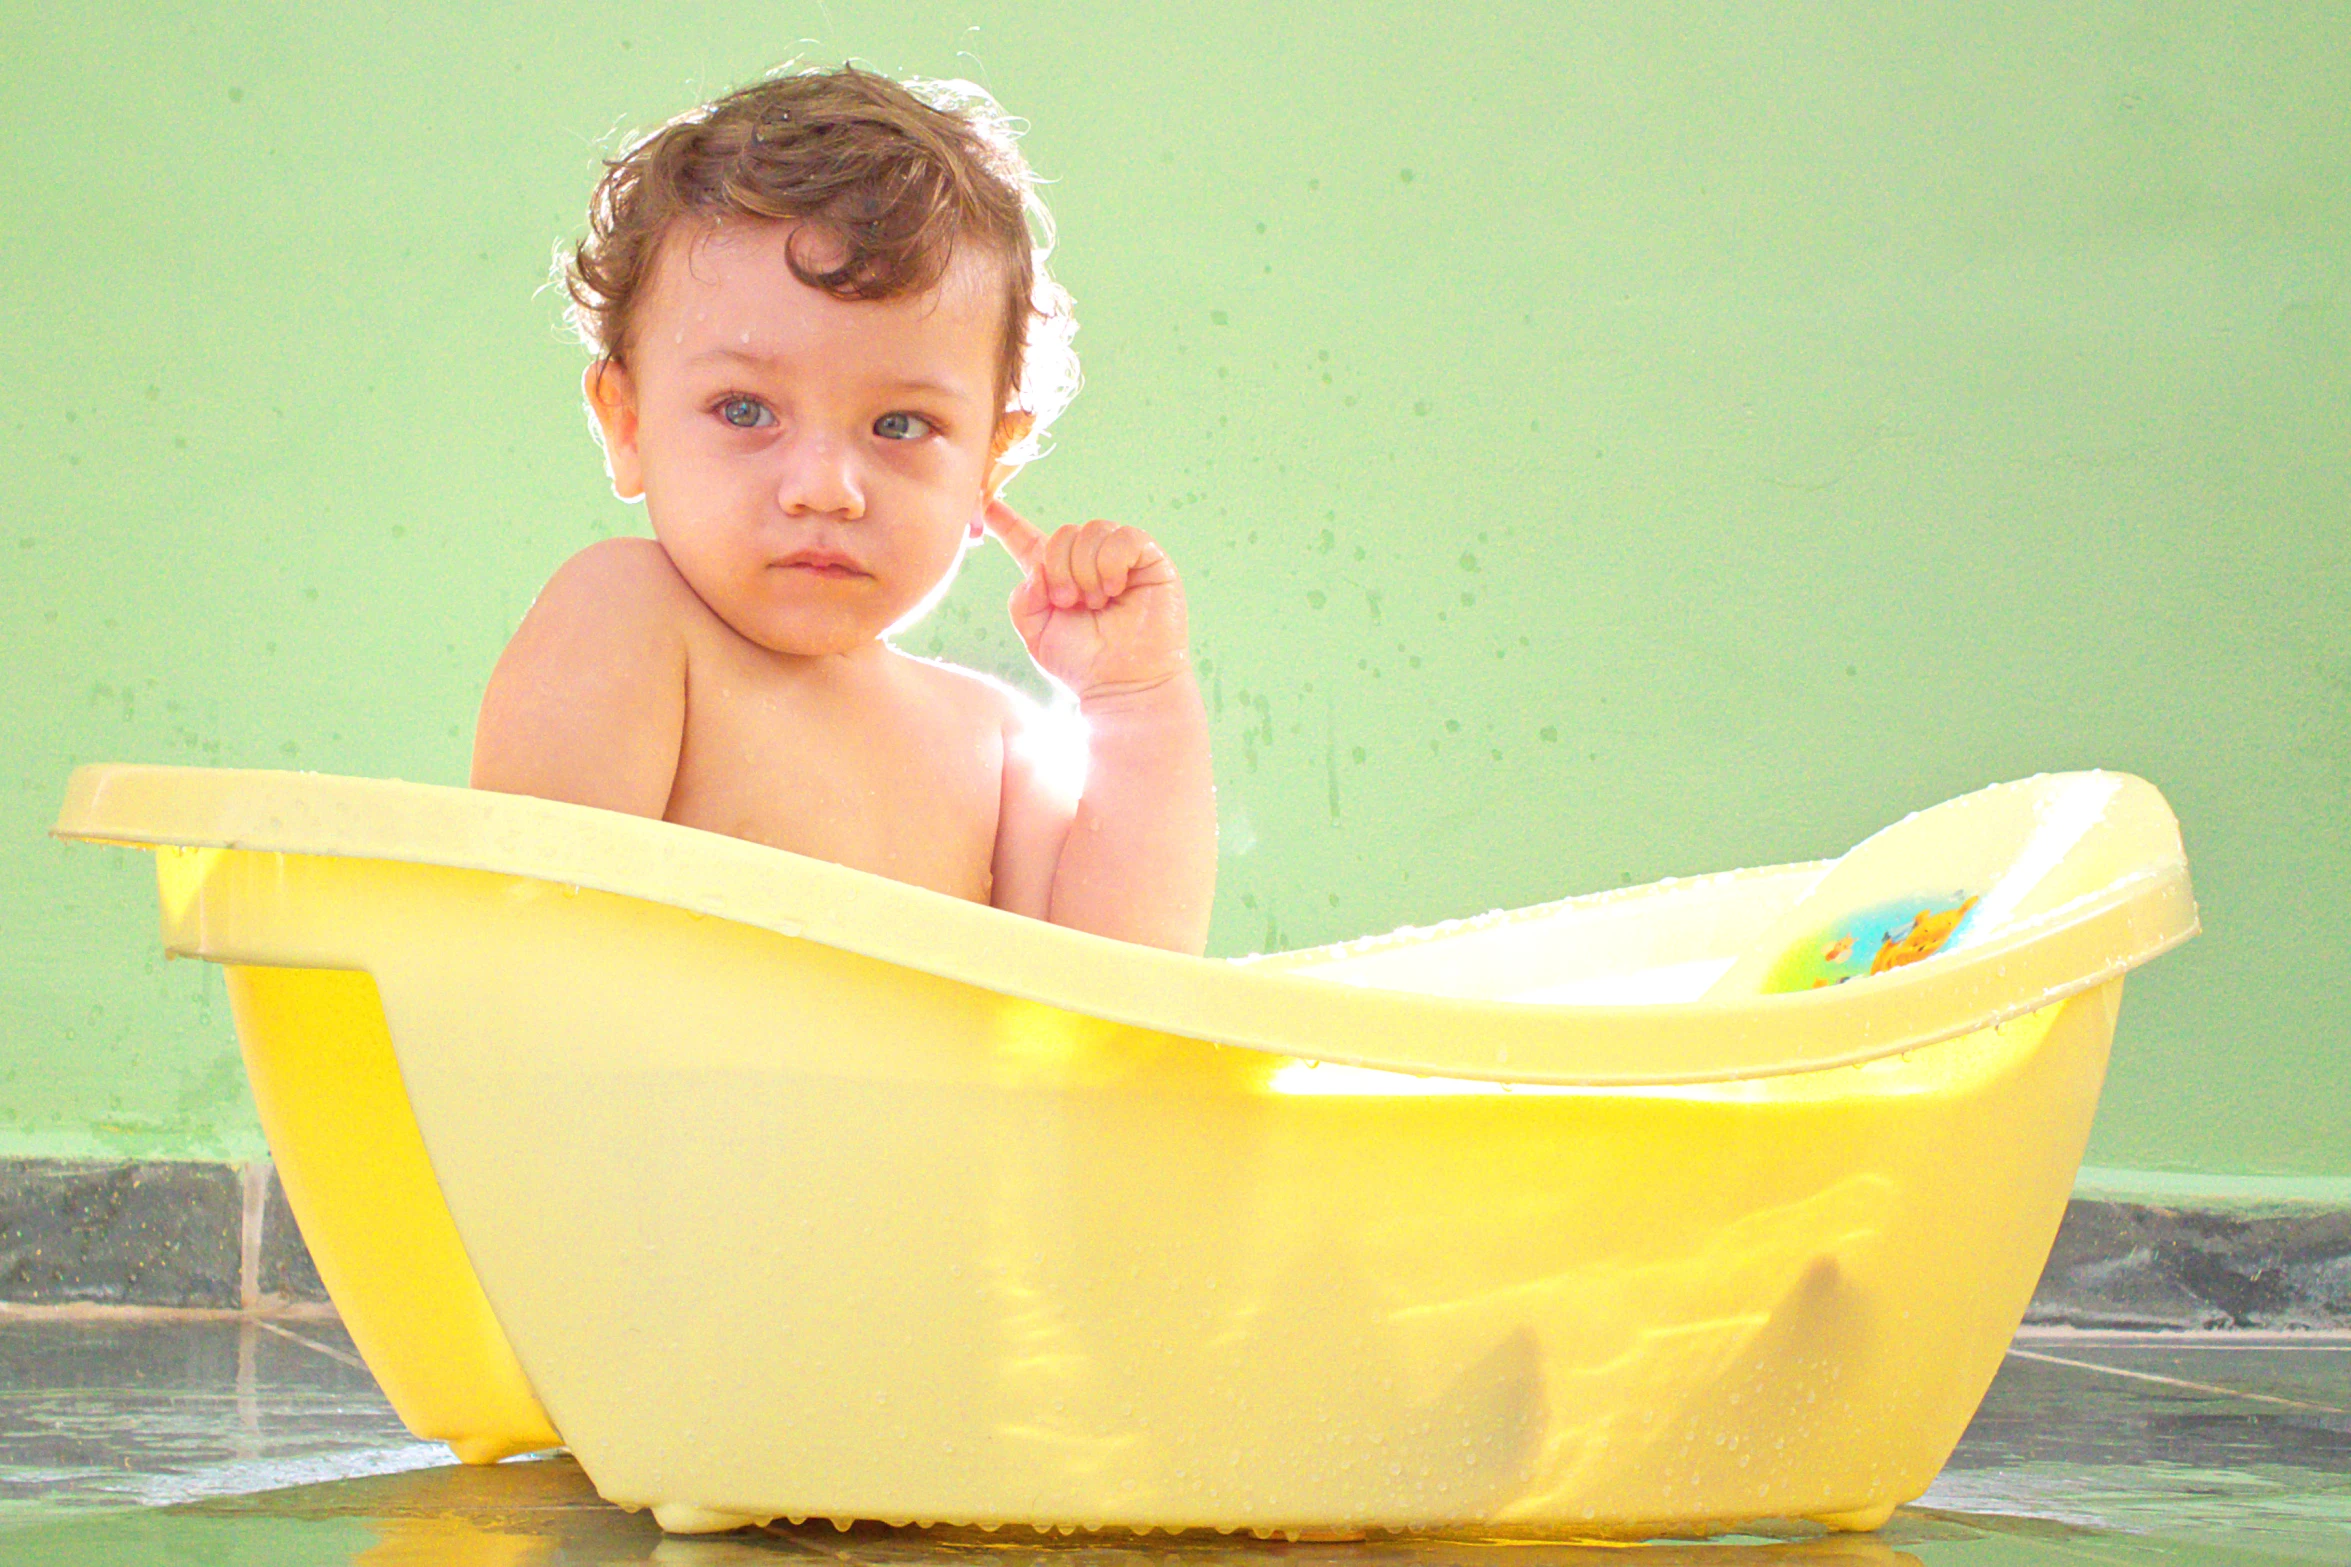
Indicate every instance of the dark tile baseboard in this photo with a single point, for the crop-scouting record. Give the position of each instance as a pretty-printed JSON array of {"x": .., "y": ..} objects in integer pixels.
[
  {"x": 220, "y": 1236},
  {"x": 161, "y": 1233},
  {"x": 2143, "y": 1266}
]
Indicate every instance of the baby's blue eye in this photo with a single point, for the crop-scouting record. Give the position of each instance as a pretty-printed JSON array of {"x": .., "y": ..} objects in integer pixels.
[
  {"x": 901, "y": 427},
  {"x": 726, "y": 412}
]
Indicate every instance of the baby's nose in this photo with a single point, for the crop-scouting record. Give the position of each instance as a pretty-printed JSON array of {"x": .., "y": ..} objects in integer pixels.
[{"x": 820, "y": 475}]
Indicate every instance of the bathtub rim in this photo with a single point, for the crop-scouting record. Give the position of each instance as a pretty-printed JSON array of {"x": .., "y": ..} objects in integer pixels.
[{"x": 1267, "y": 1007}]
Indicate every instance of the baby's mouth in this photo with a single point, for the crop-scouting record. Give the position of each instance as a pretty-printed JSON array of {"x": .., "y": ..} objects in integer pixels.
[{"x": 822, "y": 563}]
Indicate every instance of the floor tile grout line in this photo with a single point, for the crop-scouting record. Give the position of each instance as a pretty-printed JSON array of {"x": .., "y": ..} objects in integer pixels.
[
  {"x": 327, "y": 1350},
  {"x": 98, "y": 1312},
  {"x": 248, "y": 1388},
  {"x": 2197, "y": 1387},
  {"x": 2198, "y": 1338},
  {"x": 253, "y": 1192}
]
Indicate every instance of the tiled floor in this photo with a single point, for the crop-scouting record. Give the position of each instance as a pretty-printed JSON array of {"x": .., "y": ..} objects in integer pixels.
[{"x": 247, "y": 1445}]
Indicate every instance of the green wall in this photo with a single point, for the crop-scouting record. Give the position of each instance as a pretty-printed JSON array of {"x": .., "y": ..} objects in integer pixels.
[{"x": 1602, "y": 443}]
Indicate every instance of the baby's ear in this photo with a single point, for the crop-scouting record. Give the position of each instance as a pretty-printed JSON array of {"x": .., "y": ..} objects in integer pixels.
[
  {"x": 612, "y": 397},
  {"x": 1011, "y": 429}
]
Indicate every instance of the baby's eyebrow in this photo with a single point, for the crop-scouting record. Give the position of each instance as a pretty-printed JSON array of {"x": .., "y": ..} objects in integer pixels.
[
  {"x": 733, "y": 356},
  {"x": 947, "y": 389}
]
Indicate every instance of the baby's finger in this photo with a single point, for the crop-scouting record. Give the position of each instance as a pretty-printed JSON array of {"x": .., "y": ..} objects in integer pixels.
[
  {"x": 1085, "y": 563},
  {"x": 1016, "y": 533},
  {"x": 1054, "y": 564},
  {"x": 1121, "y": 553},
  {"x": 1028, "y": 599},
  {"x": 1029, "y": 612}
]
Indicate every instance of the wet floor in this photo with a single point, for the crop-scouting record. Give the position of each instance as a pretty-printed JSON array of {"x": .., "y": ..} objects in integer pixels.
[{"x": 237, "y": 1444}]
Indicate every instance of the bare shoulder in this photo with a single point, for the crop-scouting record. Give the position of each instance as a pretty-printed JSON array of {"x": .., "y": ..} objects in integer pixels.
[
  {"x": 1044, "y": 768},
  {"x": 618, "y": 580},
  {"x": 587, "y": 703},
  {"x": 987, "y": 698}
]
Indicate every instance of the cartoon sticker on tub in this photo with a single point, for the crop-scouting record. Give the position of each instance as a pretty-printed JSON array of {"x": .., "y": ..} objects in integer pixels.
[{"x": 1872, "y": 941}]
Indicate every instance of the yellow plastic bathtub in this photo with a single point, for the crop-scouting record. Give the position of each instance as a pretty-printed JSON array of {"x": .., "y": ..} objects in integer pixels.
[{"x": 800, "y": 1192}]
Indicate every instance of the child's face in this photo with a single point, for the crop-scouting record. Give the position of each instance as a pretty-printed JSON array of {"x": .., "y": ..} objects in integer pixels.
[{"x": 811, "y": 465}]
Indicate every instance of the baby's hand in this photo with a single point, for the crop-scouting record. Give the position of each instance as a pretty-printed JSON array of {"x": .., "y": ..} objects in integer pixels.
[{"x": 1101, "y": 609}]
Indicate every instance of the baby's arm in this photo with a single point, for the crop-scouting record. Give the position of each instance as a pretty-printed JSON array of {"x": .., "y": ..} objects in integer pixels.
[
  {"x": 1102, "y": 611},
  {"x": 588, "y": 702}
]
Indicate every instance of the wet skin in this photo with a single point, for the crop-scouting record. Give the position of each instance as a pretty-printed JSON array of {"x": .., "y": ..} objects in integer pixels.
[{"x": 813, "y": 469}]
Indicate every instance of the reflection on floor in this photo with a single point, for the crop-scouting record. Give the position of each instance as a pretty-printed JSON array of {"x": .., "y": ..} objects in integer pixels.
[{"x": 267, "y": 1445}]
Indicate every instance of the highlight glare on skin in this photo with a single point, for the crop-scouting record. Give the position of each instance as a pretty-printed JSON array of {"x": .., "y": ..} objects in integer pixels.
[{"x": 821, "y": 377}]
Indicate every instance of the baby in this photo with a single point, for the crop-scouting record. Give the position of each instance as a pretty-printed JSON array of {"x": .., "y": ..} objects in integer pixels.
[{"x": 814, "y": 304}]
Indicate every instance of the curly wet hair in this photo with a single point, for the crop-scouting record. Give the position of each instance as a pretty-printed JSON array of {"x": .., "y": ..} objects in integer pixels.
[{"x": 893, "y": 176}]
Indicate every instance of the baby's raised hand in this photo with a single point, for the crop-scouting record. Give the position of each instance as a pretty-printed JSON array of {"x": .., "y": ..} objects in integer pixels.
[{"x": 1101, "y": 609}]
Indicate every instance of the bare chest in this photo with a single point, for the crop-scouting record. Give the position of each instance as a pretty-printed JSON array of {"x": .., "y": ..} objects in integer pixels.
[{"x": 887, "y": 774}]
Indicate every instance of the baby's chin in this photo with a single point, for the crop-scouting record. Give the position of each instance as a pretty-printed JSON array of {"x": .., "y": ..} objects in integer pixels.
[
  {"x": 807, "y": 636},
  {"x": 814, "y": 618},
  {"x": 822, "y": 631}
]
